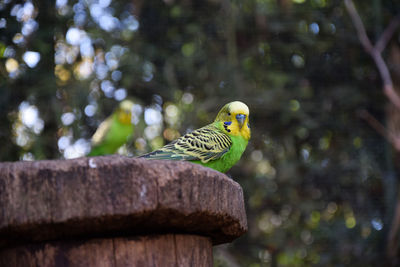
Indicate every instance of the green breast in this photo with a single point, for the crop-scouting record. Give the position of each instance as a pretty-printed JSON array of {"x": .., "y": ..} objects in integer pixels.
[
  {"x": 229, "y": 159},
  {"x": 117, "y": 135}
]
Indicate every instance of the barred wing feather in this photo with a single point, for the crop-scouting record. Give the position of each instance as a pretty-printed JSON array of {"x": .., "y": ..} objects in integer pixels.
[{"x": 204, "y": 144}]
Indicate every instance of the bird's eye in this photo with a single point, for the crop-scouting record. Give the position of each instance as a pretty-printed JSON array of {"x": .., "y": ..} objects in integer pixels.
[{"x": 229, "y": 113}]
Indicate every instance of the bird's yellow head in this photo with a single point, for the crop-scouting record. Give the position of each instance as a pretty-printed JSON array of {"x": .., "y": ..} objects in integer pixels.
[
  {"x": 124, "y": 111},
  {"x": 234, "y": 117}
]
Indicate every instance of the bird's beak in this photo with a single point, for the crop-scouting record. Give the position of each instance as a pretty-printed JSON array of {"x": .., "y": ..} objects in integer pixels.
[{"x": 240, "y": 118}]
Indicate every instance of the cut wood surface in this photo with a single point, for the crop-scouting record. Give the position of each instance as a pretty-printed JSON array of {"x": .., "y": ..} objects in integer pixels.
[
  {"x": 160, "y": 250},
  {"x": 116, "y": 196}
]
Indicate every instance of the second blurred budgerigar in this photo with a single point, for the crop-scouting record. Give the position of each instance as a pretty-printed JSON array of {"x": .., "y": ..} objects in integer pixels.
[
  {"x": 218, "y": 145},
  {"x": 114, "y": 131}
]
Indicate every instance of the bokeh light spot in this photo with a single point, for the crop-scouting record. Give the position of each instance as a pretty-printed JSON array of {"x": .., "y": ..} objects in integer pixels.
[
  {"x": 377, "y": 224},
  {"x": 188, "y": 49},
  {"x": 187, "y": 98},
  {"x": 294, "y": 105},
  {"x": 63, "y": 142},
  {"x": 350, "y": 222},
  {"x": 29, "y": 114},
  {"x": 120, "y": 94},
  {"x": 314, "y": 28},
  {"x": 74, "y": 36},
  {"x": 3, "y": 23},
  {"x": 31, "y": 58},
  {"x": 11, "y": 65},
  {"x": 67, "y": 118},
  {"x": 152, "y": 116},
  {"x": 90, "y": 110},
  {"x": 297, "y": 61}
]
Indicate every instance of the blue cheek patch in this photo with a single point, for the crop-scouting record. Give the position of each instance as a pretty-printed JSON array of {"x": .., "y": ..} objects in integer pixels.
[
  {"x": 248, "y": 125},
  {"x": 228, "y": 123}
]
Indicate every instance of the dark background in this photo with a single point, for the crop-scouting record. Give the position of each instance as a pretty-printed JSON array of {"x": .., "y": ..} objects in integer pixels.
[{"x": 320, "y": 183}]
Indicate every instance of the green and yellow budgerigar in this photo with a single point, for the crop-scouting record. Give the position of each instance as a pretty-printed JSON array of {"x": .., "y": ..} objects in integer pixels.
[
  {"x": 114, "y": 131},
  {"x": 218, "y": 145}
]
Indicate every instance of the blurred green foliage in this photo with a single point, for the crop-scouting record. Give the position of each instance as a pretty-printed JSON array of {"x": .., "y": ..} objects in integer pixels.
[{"x": 320, "y": 184}]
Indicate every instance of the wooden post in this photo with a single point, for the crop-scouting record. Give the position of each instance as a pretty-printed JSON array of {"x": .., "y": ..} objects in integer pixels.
[{"x": 115, "y": 211}]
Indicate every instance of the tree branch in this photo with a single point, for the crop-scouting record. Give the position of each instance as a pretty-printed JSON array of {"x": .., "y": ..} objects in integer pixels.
[
  {"x": 375, "y": 51},
  {"x": 374, "y": 123},
  {"x": 387, "y": 34},
  {"x": 359, "y": 25}
]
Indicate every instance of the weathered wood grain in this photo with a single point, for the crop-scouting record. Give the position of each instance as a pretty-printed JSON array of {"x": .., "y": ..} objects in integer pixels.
[
  {"x": 168, "y": 250},
  {"x": 116, "y": 196}
]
